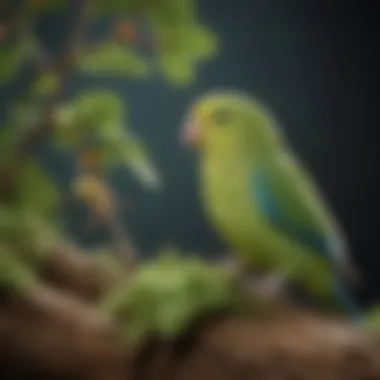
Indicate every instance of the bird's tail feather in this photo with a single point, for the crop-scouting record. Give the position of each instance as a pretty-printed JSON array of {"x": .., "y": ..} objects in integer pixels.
[{"x": 346, "y": 302}]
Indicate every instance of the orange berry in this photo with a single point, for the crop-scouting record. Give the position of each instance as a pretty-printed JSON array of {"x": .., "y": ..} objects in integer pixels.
[
  {"x": 125, "y": 31},
  {"x": 89, "y": 158}
]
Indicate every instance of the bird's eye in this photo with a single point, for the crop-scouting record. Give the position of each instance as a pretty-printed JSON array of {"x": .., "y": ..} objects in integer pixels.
[{"x": 221, "y": 117}]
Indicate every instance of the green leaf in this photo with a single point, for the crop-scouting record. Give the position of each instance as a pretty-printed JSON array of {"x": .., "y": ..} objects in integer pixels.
[
  {"x": 171, "y": 12},
  {"x": 8, "y": 138},
  {"x": 180, "y": 48},
  {"x": 97, "y": 108},
  {"x": 29, "y": 235},
  {"x": 45, "y": 84},
  {"x": 141, "y": 164},
  {"x": 177, "y": 69},
  {"x": 86, "y": 117},
  {"x": 125, "y": 148},
  {"x": 36, "y": 191},
  {"x": 12, "y": 57},
  {"x": 22, "y": 118},
  {"x": 14, "y": 274},
  {"x": 164, "y": 296},
  {"x": 110, "y": 58},
  {"x": 65, "y": 134},
  {"x": 202, "y": 43}
]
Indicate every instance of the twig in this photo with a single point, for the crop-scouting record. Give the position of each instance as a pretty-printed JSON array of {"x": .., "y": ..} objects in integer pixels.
[
  {"x": 124, "y": 246},
  {"x": 30, "y": 142}
]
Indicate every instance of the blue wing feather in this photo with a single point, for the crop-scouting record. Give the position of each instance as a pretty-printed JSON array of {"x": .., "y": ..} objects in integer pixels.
[
  {"x": 292, "y": 226},
  {"x": 272, "y": 210}
]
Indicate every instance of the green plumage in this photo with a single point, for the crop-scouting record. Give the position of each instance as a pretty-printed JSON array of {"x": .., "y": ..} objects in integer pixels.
[{"x": 259, "y": 197}]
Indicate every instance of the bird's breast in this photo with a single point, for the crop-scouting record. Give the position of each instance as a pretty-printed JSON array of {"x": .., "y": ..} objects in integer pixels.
[{"x": 226, "y": 200}]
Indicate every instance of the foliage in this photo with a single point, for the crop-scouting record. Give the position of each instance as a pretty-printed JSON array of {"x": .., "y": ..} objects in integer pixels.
[
  {"x": 111, "y": 58},
  {"x": 95, "y": 121},
  {"x": 14, "y": 274},
  {"x": 148, "y": 37},
  {"x": 174, "y": 46},
  {"x": 45, "y": 84},
  {"x": 35, "y": 191},
  {"x": 13, "y": 55},
  {"x": 166, "y": 295},
  {"x": 87, "y": 116},
  {"x": 181, "y": 49},
  {"x": 29, "y": 236}
]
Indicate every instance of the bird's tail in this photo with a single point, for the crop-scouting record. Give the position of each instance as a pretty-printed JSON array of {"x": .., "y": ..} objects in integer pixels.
[
  {"x": 346, "y": 302},
  {"x": 372, "y": 318}
]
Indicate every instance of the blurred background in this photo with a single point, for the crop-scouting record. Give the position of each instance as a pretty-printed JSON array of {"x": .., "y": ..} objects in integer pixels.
[{"x": 313, "y": 63}]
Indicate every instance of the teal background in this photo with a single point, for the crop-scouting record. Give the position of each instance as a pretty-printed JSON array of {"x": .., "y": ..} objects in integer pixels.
[{"x": 312, "y": 62}]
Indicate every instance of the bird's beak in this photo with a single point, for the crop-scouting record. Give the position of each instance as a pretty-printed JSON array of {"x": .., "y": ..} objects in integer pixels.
[{"x": 191, "y": 133}]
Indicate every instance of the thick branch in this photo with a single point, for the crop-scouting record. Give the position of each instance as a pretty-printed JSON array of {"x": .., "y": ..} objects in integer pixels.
[
  {"x": 76, "y": 272},
  {"x": 57, "y": 336},
  {"x": 53, "y": 335}
]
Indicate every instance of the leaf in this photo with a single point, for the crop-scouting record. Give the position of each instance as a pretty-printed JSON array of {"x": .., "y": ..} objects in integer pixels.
[
  {"x": 22, "y": 118},
  {"x": 14, "y": 274},
  {"x": 87, "y": 117},
  {"x": 95, "y": 119},
  {"x": 8, "y": 138},
  {"x": 202, "y": 43},
  {"x": 45, "y": 84},
  {"x": 125, "y": 148},
  {"x": 110, "y": 58},
  {"x": 65, "y": 134},
  {"x": 30, "y": 236},
  {"x": 97, "y": 108},
  {"x": 140, "y": 163},
  {"x": 176, "y": 68},
  {"x": 172, "y": 12},
  {"x": 36, "y": 192},
  {"x": 180, "y": 46},
  {"x": 13, "y": 56},
  {"x": 164, "y": 296}
]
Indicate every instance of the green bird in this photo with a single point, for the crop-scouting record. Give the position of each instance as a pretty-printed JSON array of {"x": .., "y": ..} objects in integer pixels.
[{"x": 262, "y": 201}]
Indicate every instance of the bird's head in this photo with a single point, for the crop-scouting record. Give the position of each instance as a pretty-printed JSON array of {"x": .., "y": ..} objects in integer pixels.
[{"x": 229, "y": 120}]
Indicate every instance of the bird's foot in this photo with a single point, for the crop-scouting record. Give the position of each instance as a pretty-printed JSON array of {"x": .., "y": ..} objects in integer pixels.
[
  {"x": 231, "y": 266},
  {"x": 271, "y": 284}
]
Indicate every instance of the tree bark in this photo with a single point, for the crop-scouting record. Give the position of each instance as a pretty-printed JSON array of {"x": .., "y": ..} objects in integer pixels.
[
  {"x": 54, "y": 331},
  {"x": 76, "y": 272},
  {"x": 52, "y": 335}
]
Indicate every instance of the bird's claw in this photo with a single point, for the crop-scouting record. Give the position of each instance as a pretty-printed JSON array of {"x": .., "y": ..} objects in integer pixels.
[{"x": 271, "y": 284}]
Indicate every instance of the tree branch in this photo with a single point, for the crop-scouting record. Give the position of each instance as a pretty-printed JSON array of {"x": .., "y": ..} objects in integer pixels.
[
  {"x": 76, "y": 272},
  {"x": 67, "y": 61},
  {"x": 54, "y": 335}
]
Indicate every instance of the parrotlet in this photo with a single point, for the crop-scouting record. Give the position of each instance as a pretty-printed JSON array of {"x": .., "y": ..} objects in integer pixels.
[{"x": 263, "y": 202}]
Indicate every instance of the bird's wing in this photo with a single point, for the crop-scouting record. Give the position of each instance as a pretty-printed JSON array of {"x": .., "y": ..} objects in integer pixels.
[{"x": 290, "y": 204}]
